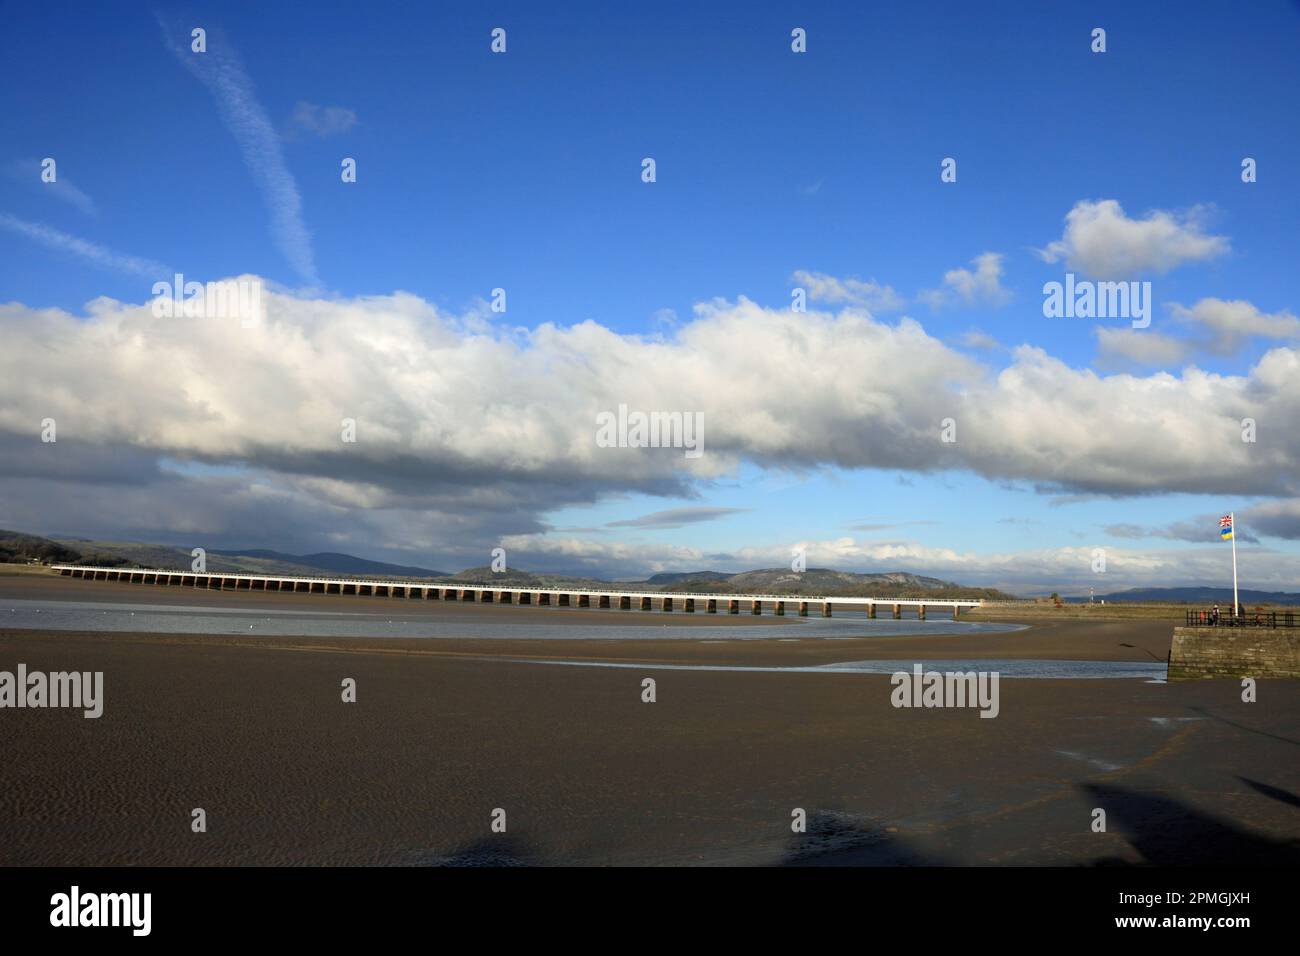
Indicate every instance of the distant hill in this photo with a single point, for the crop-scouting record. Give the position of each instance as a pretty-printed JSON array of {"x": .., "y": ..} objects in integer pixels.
[
  {"x": 514, "y": 578},
  {"x": 665, "y": 578},
  {"x": 823, "y": 581},
  {"x": 485, "y": 575},
  {"x": 16, "y": 548},
  {"x": 251, "y": 561},
  {"x": 336, "y": 563},
  {"x": 1204, "y": 596},
  {"x": 820, "y": 581}
]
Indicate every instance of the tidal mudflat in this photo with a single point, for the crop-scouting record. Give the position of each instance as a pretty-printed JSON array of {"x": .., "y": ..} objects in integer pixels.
[{"x": 253, "y": 729}]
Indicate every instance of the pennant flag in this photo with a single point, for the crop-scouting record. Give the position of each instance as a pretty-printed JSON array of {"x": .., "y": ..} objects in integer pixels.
[{"x": 1225, "y": 527}]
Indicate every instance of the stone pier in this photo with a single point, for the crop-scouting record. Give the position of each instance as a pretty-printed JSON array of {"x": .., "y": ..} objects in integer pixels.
[{"x": 1234, "y": 652}]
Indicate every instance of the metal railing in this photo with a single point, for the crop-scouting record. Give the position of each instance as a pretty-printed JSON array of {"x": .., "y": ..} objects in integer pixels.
[{"x": 1245, "y": 618}]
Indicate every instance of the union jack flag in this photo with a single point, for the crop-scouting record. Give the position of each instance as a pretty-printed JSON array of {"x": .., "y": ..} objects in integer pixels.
[{"x": 1225, "y": 527}]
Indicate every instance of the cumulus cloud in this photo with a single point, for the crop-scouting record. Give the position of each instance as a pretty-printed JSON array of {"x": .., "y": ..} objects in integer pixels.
[
  {"x": 322, "y": 121},
  {"x": 1119, "y": 346},
  {"x": 978, "y": 339},
  {"x": 835, "y": 291},
  {"x": 1212, "y": 326},
  {"x": 1102, "y": 242},
  {"x": 1227, "y": 324},
  {"x": 980, "y": 285},
  {"x": 467, "y": 431}
]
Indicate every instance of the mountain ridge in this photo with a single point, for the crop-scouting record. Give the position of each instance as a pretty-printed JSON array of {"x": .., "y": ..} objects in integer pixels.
[{"x": 1198, "y": 595}]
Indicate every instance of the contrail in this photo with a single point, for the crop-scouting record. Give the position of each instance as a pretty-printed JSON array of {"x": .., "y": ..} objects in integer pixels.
[
  {"x": 96, "y": 253},
  {"x": 221, "y": 72},
  {"x": 28, "y": 171}
]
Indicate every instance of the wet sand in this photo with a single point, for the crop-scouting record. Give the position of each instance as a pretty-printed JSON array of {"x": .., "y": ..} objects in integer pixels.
[{"x": 253, "y": 730}]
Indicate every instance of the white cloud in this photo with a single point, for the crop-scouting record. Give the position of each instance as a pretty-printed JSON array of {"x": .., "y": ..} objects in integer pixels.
[
  {"x": 322, "y": 121},
  {"x": 1141, "y": 347},
  {"x": 1212, "y": 325},
  {"x": 1230, "y": 323},
  {"x": 977, "y": 339},
  {"x": 870, "y": 295},
  {"x": 1102, "y": 242},
  {"x": 427, "y": 388},
  {"x": 981, "y": 285},
  {"x": 466, "y": 431}
]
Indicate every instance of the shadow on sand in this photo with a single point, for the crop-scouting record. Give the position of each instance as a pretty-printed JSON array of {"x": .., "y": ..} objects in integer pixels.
[
  {"x": 1164, "y": 832},
  {"x": 1168, "y": 832},
  {"x": 837, "y": 838},
  {"x": 1276, "y": 793},
  {"x": 1250, "y": 730},
  {"x": 495, "y": 851}
]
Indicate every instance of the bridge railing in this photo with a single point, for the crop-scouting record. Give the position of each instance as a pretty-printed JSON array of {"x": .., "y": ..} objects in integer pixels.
[{"x": 1271, "y": 619}]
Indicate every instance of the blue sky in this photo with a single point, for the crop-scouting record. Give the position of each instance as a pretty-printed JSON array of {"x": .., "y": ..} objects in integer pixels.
[{"x": 522, "y": 171}]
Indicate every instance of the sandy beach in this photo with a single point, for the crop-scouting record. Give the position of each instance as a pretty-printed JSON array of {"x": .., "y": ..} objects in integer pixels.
[{"x": 443, "y": 732}]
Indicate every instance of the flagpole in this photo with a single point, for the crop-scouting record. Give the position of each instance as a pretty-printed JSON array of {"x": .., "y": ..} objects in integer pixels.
[{"x": 1233, "y": 517}]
